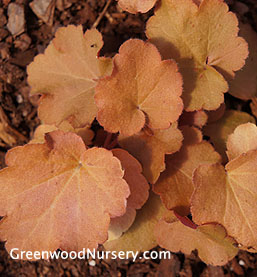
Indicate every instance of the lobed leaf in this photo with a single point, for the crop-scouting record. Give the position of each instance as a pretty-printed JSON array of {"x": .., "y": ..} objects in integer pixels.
[
  {"x": 211, "y": 241},
  {"x": 140, "y": 236},
  {"x": 135, "y": 6},
  {"x": 66, "y": 76},
  {"x": 196, "y": 118},
  {"x": 150, "y": 149},
  {"x": 85, "y": 133},
  {"x": 61, "y": 196},
  {"x": 204, "y": 41},
  {"x": 138, "y": 193},
  {"x": 220, "y": 130},
  {"x": 142, "y": 89},
  {"x": 175, "y": 185},
  {"x": 229, "y": 197},
  {"x": 244, "y": 85},
  {"x": 242, "y": 140}
]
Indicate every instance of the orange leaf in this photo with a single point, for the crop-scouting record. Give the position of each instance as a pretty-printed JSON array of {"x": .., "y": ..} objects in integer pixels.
[
  {"x": 140, "y": 236},
  {"x": 211, "y": 240},
  {"x": 61, "y": 196},
  {"x": 135, "y": 6},
  {"x": 242, "y": 140},
  {"x": 229, "y": 198},
  {"x": 142, "y": 89},
  {"x": 66, "y": 76},
  {"x": 175, "y": 185},
  {"x": 203, "y": 40},
  {"x": 85, "y": 133},
  {"x": 196, "y": 118},
  {"x": 221, "y": 129},
  {"x": 244, "y": 86},
  {"x": 138, "y": 193},
  {"x": 150, "y": 149}
]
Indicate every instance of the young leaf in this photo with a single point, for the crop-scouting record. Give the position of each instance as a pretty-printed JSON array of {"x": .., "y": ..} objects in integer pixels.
[
  {"x": 242, "y": 140},
  {"x": 140, "y": 236},
  {"x": 85, "y": 133},
  {"x": 204, "y": 42},
  {"x": 196, "y": 118},
  {"x": 150, "y": 149},
  {"x": 135, "y": 6},
  {"x": 66, "y": 76},
  {"x": 175, "y": 185},
  {"x": 221, "y": 129},
  {"x": 244, "y": 85},
  {"x": 211, "y": 241},
  {"x": 229, "y": 197},
  {"x": 138, "y": 193},
  {"x": 61, "y": 196},
  {"x": 142, "y": 89}
]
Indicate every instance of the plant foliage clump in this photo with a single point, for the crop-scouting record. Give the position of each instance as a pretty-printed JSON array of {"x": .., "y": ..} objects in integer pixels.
[{"x": 146, "y": 174}]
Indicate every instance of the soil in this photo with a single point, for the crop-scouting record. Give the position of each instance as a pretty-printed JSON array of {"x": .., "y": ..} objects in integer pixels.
[{"x": 19, "y": 117}]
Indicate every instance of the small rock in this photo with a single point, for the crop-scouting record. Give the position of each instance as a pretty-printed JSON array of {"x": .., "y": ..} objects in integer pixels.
[
  {"x": 24, "y": 113},
  {"x": 16, "y": 20},
  {"x": 19, "y": 99},
  {"x": 44, "y": 9},
  {"x": 92, "y": 263},
  {"x": 241, "y": 262}
]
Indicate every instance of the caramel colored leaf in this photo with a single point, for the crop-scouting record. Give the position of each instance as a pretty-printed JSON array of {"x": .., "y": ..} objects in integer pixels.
[
  {"x": 138, "y": 193},
  {"x": 61, "y": 196},
  {"x": 85, "y": 133},
  {"x": 150, "y": 149},
  {"x": 66, "y": 76},
  {"x": 142, "y": 89},
  {"x": 175, "y": 185},
  {"x": 242, "y": 140},
  {"x": 229, "y": 198},
  {"x": 135, "y": 6},
  {"x": 140, "y": 236},
  {"x": 204, "y": 41},
  {"x": 211, "y": 241},
  {"x": 221, "y": 129},
  {"x": 196, "y": 118},
  {"x": 244, "y": 86}
]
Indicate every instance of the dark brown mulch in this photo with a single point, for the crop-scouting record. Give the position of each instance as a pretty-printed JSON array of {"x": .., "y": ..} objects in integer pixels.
[{"x": 18, "y": 112}]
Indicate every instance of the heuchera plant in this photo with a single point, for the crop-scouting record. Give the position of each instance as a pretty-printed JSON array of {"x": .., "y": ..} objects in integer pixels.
[{"x": 143, "y": 174}]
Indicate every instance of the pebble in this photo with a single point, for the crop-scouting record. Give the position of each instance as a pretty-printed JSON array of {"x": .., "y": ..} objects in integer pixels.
[
  {"x": 44, "y": 10},
  {"x": 92, "y": 263},
  {"x": 16, "y": 20},
  {"x": 19, "y": 99},
  {"x": 241, "y": 262}
]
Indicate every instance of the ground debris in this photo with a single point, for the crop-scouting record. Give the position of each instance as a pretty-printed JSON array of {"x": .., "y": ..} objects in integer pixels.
[
  {"x": 44, "y": 9},
  {"x": 16, "y": 20}
]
